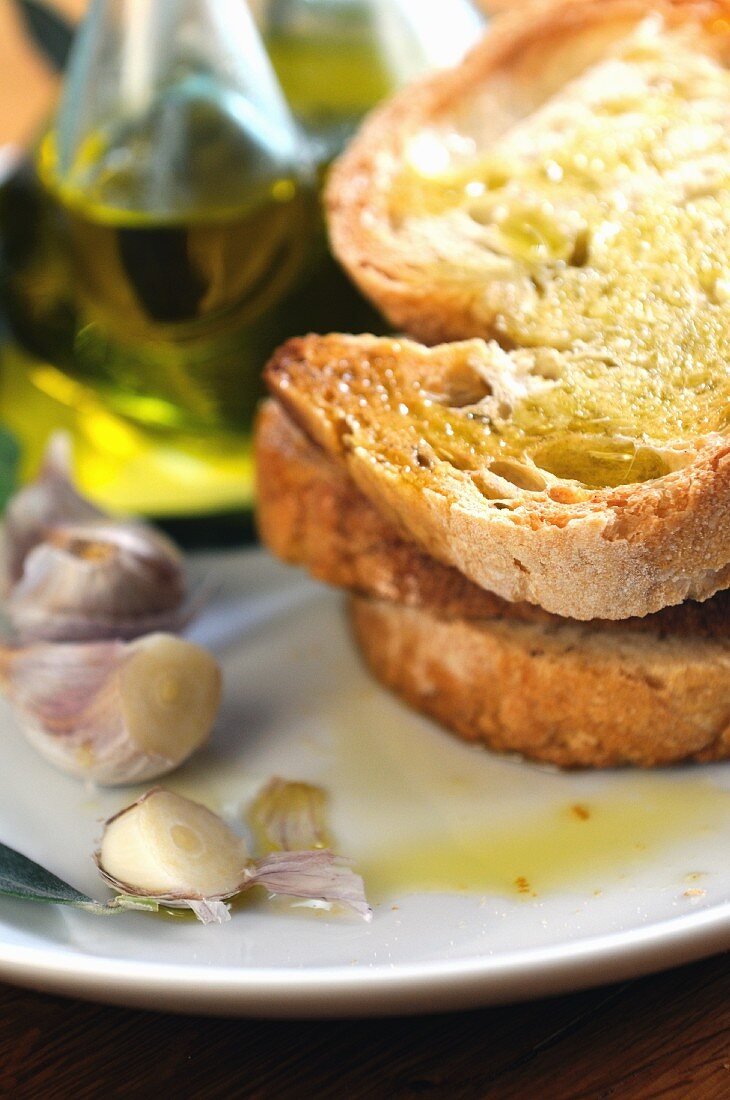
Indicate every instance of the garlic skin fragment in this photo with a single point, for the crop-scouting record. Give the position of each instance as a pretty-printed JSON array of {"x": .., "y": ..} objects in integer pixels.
[
  {"x": 99, "y": 580},
  {"x": 289, "y": 817},
  {"x": 43, "y": 504},
  {"x": 311, "y": 874},
  {"x": 170, "y": 849},
  {"x": 110, "y": 712}
]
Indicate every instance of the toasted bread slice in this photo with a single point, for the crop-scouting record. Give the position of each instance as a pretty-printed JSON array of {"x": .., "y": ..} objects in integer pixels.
[
  {"x": 311, "y": 514},
  {"x": 474, "y": 198},
  {"x": 571, "y": 694},
  {"x": 417, "y": 430},
  {"x": 566, "y": 191}
]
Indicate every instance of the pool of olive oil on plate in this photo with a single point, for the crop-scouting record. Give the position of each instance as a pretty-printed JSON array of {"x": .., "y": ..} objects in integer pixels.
[{"x": 491, "y": 879}]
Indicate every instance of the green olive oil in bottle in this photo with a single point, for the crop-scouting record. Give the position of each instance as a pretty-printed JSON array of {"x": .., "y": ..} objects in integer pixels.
[{"x": 149, "y": 246}]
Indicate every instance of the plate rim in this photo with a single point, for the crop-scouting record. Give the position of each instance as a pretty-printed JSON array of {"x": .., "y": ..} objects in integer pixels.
[{"x": 475, "y": 981}]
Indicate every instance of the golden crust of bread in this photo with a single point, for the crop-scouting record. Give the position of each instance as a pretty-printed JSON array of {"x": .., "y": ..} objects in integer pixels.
[
  {"x": 608, "y": 553},
  {"x": 569, "y": 694},
  {"x": 526, "y": 56},
  {"x": 310, "y": 513}
]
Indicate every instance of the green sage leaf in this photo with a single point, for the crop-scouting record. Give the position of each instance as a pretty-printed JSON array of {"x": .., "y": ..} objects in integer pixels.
[{"x": 21, "y": 877}]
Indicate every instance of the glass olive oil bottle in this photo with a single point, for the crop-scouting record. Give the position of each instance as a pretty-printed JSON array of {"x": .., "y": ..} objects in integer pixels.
[{"x": 165, "y": 216}]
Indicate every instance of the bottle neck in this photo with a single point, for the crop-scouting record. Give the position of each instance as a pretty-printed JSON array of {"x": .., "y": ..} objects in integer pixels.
[{"x": 161, "y": 97}]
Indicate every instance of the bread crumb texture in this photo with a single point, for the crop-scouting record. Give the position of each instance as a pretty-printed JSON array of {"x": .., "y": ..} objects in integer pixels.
[{"x": 611, "y": 205}]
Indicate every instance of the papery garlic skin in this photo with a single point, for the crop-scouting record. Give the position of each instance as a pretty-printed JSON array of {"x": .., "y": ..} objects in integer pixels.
[
  {"x": 111, "y": 712},
  {"x": 43, "y": 504},
  {"x": 169, "y": 847},
  {"x": 99, "y": 580},
  {"x": 289, "y": 816},
  {"x": 311, "y": 874}
]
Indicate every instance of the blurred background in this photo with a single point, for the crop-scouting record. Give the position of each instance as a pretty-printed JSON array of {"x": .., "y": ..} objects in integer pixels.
[{"x": 161, "y": 231}]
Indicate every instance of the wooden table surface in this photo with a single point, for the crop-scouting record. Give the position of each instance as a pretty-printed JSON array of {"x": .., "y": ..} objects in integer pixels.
[
  {"x": 664, "y": 1036},
  {"x": 661, "y": 1036}
]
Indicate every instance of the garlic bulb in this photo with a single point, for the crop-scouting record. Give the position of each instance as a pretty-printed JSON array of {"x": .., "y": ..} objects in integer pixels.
[
  {"x": 112, "y": 712},
  {"x": 167, "y": 848},
  {"x": 99, "y": 580},
  {"x": 49, "y": 500}
]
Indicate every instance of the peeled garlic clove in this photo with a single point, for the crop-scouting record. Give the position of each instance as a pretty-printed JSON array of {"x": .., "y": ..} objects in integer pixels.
[
  {"x": 99, "y": 580},
  {"x": 112, "y": 712},
  {"x": 170, "y": 849},
  {"x": 49, "y": 500},
  {"x": 288, "y": 816}
]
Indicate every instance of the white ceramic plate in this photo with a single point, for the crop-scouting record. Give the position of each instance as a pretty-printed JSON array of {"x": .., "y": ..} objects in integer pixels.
[{"x": 567, "y": 900}]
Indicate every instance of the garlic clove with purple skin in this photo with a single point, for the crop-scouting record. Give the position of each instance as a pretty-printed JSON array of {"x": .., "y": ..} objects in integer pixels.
[
  {"x": 114, "y": 712},
  {"x": 172, "y": 850},
  {"x": 44, "y": 503},
  {"x": 99, "y": 580}
]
